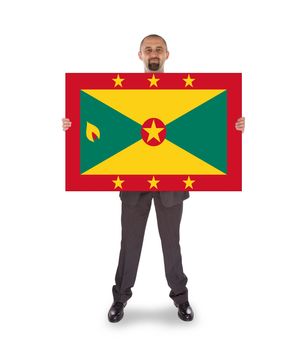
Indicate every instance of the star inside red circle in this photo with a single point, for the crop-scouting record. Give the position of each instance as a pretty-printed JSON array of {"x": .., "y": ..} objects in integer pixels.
[{"x": 153, "y": 131}]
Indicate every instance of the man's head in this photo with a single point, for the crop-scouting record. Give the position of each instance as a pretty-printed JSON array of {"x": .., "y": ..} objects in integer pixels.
[{"x": 153, "y": 52}]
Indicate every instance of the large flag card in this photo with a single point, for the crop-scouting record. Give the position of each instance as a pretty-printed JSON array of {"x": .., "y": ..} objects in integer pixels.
[{"x": 153, "y": 132}]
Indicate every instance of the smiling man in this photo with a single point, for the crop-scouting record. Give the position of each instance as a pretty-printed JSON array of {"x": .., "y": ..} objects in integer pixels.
[{"x": 135, "y": 211}]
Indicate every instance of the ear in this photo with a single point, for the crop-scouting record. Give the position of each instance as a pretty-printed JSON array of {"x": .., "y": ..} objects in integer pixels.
[
  {"x": 140, "y": 55},
  {"x": 167, "y": 54}
]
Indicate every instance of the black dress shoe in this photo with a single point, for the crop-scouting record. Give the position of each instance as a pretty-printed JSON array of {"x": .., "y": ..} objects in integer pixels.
[
  {"x": 116, "y": 311},
  {"x": 185, "y": 312}
]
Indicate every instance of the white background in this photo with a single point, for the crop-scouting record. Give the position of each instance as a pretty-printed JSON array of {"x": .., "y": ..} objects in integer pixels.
[{"x": 244, "y": 253}]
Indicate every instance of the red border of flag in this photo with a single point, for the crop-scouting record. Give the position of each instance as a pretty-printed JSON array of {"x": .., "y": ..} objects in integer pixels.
[{"x": 79, "y": 81}]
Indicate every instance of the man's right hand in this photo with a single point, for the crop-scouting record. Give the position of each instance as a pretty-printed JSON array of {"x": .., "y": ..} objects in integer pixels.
[{"x": 66, "y": 124}]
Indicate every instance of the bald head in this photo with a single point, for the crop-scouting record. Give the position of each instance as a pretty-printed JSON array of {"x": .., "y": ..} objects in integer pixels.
[{"x": 155, "y": 36}]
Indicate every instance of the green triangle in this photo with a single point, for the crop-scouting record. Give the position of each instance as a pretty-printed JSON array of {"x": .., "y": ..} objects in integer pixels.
[
  {"x": 116, "y": 131},
  {"x": 203, "y": 131}
]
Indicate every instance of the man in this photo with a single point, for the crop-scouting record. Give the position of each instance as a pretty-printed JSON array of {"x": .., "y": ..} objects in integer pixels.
[{"x": 135, "y": 210}]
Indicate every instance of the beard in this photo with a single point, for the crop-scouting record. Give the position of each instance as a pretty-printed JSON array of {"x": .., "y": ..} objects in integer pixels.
[{"x": 154, "y": 66}]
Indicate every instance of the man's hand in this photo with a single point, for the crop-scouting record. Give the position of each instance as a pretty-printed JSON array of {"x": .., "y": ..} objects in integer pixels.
[
  {"x": 240, "y": 124},
  {"x": 66, "y": 124}
]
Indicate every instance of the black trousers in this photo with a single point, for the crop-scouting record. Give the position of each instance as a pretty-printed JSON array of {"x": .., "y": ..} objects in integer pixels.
[{"x": 134, "y": 219}]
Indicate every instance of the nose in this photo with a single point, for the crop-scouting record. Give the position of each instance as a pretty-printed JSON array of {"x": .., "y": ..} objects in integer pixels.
[{"x": 153, "y": 53}]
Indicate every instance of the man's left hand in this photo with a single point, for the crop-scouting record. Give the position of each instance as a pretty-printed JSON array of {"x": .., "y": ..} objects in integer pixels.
[{"x": 240, "y": 124}]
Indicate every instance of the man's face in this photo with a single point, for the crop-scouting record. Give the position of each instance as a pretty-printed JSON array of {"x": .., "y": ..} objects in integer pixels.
[{"x": 153, "y": 53}]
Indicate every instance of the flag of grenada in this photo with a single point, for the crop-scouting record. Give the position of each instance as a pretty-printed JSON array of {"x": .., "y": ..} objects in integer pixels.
[{"x": 153, "y": 132}]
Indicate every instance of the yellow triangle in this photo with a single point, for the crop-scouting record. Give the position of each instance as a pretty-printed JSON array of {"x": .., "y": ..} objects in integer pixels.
[
  {"x": 140, "y": 105},
  {"x": 142, "y": 159}
]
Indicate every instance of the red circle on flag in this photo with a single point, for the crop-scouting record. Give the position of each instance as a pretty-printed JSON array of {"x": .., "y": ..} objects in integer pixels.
[{"x": 153, "y": 131}]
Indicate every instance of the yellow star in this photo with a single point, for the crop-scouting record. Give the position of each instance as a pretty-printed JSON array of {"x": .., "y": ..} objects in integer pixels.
[
  {"x": 153, "y": 182},
  {"x": 118, "y": 183},
  {"x": 188, "y": 81},
  {"x": 153, "y": 132},
  {"x": 188, "y": 182},
  {"x": 118, "y": 81},
  {"x": 153, "y": 81}
]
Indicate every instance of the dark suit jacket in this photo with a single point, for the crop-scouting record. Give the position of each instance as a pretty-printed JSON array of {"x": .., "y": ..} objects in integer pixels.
[{"x": 168, "y": 198}]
